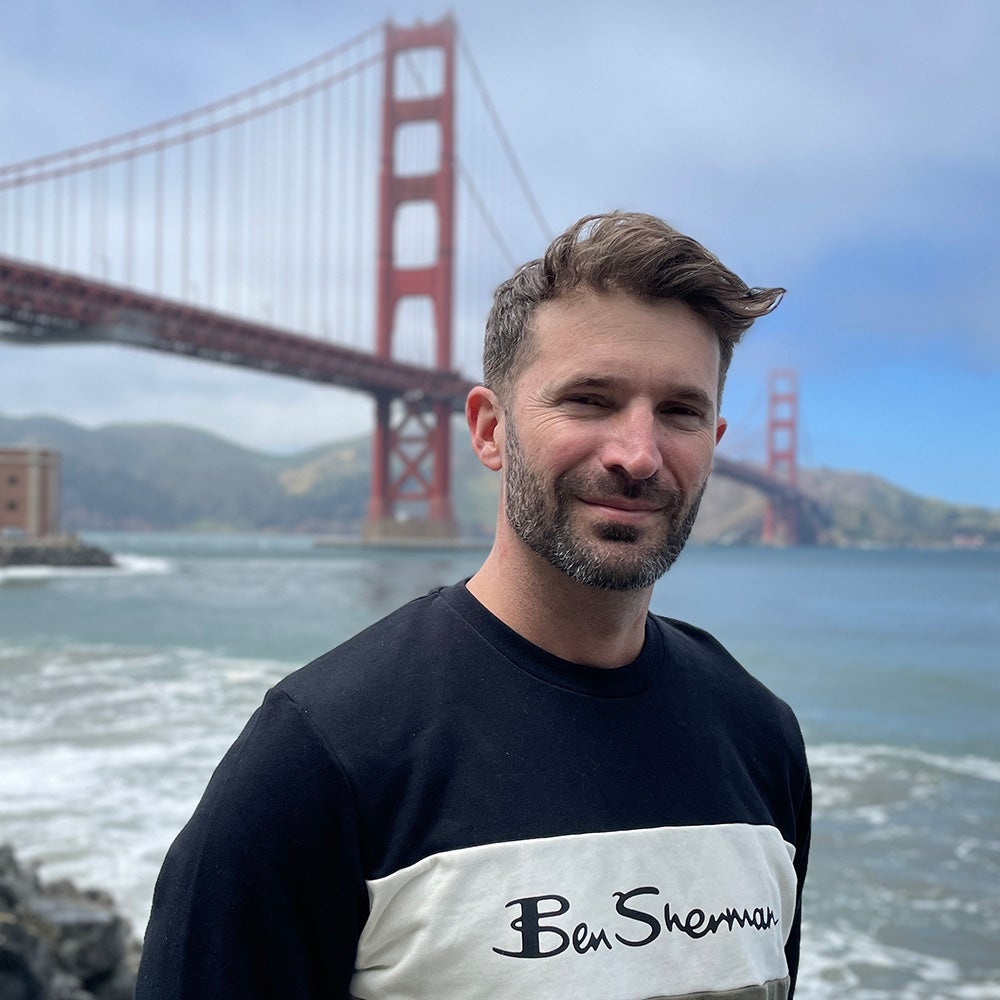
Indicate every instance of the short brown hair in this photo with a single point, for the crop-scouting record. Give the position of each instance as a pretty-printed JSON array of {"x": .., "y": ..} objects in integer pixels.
[{"x": 629, "y": 252}]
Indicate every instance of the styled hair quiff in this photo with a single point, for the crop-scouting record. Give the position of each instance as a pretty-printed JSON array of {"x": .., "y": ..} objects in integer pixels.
[{"x": 627, "y": 252}]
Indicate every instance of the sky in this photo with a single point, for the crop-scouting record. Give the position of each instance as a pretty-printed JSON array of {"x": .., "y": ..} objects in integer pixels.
[{"x": 848, "y": 152}]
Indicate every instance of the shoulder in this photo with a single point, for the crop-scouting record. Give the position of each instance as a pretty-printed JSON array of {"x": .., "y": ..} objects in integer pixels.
[
  {"x": 392, "y": 649},
  {"x": 366, "y": 697},
  {"x": 700, "y": 660},
  {"x": 754, "y": 737}
]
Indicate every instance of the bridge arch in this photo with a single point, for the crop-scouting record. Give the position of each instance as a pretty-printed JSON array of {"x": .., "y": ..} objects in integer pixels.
[{"x": 811, "y": 519}]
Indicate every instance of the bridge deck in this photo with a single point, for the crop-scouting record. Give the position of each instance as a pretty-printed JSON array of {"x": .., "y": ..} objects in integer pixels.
[{"x": 40, "y": 306}]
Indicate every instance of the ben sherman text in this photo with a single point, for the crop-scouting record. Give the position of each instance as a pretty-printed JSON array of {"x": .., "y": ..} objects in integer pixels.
[{"x": 540, "y": 939}]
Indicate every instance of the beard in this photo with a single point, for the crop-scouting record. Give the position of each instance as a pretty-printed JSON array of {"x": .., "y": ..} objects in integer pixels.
[{"x": 617, "y": 556}]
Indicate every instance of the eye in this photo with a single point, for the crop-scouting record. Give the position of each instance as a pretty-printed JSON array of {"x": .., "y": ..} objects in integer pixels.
[
  {"x": 584, "y": 399},
  {"x": 683, "y": 414}
]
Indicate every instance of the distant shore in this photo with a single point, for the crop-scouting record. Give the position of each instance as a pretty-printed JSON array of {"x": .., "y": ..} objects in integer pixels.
[{"x": 418, "y": 542}]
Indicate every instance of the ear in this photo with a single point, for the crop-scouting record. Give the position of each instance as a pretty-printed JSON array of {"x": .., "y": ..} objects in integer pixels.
[
  {"x": 482, "y": 412},
  {"x": 720, "y": 428}
]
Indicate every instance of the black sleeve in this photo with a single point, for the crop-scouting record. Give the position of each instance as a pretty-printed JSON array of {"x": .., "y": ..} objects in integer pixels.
[
  {"x": 262, "y": 893},
  {"x": 803, "y": 836}
]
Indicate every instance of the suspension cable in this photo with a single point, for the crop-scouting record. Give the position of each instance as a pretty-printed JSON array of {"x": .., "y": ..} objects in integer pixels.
[
  {"x": 167, "y": 124},
  {"x": 505, "y": 142}
]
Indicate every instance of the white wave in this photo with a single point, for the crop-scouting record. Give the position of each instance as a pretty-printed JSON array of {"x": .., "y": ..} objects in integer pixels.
[
  {"x": 125, "y": 564},
  {"x": 133, "y": 563},
  {"x": 135, "y": 731},
  {"x": 11, "y": 574},
  {"x": 839, "y": 961},
  {"x": 859, "y": 760}
]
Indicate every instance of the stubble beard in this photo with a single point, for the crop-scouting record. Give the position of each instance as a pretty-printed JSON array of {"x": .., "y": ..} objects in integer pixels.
[{"x": 617, "y": 558}]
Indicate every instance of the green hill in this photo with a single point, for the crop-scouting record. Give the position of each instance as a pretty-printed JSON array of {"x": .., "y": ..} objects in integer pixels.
[
  {"x": 861, "y": 510},
  {"x": 166, "y": 477}
]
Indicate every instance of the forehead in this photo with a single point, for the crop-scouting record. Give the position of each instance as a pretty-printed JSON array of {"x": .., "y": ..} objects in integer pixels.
[{"x": 612, "y": 333}]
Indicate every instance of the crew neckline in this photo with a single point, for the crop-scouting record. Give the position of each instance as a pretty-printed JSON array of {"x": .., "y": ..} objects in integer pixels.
[{"x": 607, "y": 682}]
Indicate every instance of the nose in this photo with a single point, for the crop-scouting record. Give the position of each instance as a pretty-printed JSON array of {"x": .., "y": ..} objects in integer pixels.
[{"x": 633, "y": 445}]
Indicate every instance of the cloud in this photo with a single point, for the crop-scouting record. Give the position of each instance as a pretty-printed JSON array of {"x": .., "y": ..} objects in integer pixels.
[
  {"x": 102, "y": 384},
  {"x": 848, "y": 151}
]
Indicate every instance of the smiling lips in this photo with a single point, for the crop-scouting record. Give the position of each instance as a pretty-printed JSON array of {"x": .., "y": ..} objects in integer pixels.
[{"x": 630, "y": 509}]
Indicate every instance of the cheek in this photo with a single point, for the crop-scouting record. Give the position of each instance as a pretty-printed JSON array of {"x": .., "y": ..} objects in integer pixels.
[
  {"x": 570, "y": 457},
  {"x": 689, "y": 458},
  {"x": 556, "y": 449}
]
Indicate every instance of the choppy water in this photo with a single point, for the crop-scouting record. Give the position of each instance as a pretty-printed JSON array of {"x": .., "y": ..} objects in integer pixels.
[{"x": 120, "y": 690}]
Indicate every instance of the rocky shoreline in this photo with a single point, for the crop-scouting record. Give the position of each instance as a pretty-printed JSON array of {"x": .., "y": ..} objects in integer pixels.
[
  {"x": 58, "y": 942},
  {"x": 51, "y": 550}
]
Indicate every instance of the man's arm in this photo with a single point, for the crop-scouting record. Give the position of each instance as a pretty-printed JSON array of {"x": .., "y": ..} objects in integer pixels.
[
  {"x": 803, "y": 829},
  {"x": 261, "y": 895}
]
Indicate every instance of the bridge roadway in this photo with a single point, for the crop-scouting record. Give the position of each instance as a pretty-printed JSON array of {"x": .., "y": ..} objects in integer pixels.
[{"x": 40, "y": 306}]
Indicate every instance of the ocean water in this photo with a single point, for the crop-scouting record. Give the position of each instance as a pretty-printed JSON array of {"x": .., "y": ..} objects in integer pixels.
[{"x": 121, "y": 689}]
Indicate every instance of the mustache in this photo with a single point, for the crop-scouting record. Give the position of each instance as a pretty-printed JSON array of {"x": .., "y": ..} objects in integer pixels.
[{"x": 652, "y": 491}]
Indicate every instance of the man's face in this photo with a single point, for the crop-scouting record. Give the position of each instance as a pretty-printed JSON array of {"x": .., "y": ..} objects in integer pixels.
[{"x": 608, "y": 437}]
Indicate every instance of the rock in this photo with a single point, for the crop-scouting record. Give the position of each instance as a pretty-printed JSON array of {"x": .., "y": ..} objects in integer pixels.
[
  {"x": 26, "y": 967},
  {"x": 51, "y": 550},
  {"x": 58, "y": 942},
  {"x": 16, "y": 882},
  {"x": 88, "y": 938}
]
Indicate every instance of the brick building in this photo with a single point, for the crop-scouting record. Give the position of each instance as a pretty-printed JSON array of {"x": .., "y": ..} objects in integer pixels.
[{"x": 29, "y": 490}]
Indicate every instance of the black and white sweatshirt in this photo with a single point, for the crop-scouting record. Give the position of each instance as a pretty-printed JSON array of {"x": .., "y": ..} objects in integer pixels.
[{"x": 439, "y": 809}]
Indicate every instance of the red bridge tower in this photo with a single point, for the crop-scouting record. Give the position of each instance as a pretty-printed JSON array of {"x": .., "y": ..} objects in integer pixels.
[
  {"x": 781, "y": 517},
  {"x": 411, "y": 446}
]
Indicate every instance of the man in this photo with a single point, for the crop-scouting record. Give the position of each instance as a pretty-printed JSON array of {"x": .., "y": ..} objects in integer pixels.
[{"x": 525, "y": 785}]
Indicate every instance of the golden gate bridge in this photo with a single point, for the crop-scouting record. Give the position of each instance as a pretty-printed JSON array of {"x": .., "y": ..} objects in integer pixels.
[{"x": 290, "y": 229}]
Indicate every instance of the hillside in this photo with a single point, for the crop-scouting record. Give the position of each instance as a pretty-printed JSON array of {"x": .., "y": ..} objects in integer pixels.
[
  {"x": 862, "y": 510},
  {"x": 165, "y": 477}
]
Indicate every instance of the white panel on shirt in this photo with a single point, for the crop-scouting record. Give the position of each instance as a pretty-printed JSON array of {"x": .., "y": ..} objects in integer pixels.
[{"x": 626, "y": 915}]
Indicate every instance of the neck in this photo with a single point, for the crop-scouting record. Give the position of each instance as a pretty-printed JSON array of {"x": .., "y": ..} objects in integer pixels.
[{"x": 598, "y": 628}]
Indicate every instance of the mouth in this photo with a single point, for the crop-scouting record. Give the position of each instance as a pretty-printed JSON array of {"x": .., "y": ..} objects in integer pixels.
[{"x": 620, "y": 508}]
